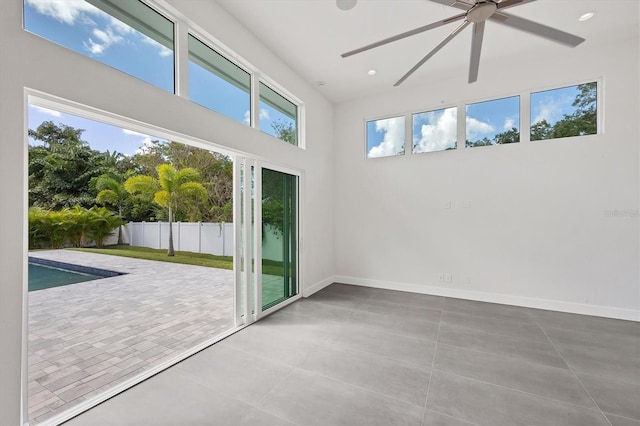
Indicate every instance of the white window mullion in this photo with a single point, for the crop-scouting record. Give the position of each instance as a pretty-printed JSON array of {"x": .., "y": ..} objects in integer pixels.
[
  {"x": 182, "y": 59},
  {"x": 257, "y": 238},
  {"x": 238, "y": 242},
  {"x": 525, "y": 117},
  {"x": 462, "y": 126},
  {"x": 255, "y": 101},
  {"x": 247, "y": 243}
]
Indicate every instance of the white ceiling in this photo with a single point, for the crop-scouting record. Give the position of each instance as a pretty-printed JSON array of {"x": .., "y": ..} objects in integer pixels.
[{"x": 310, "y": 35}]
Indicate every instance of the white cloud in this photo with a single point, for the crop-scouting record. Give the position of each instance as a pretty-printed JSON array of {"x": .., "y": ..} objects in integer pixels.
[
  {"x": 106, "y": 37},
  {"x": 439, "y": 132},
  {"x": 120, "y": 26},
  {"x": 134, "y": 133},
  {"x": 264, "y": 116},
  {"x": 476, "y": 128},
  {"x": 144, "y": 144},
  {"x": 67, "y": 11},
  {"x": 549, "y": 109},
  {"x": 93, "y": 47},
  {"x": 162, "y": 50},
  {"x": 393, "y": 139},
  {"x": 47, "y": 111},
  {"x": 509, "y": 123},
  {"x": 145, "y": 140}
]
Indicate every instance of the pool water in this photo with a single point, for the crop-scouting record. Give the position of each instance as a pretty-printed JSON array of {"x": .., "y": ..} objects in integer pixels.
[{"x": 41, "y": 277}]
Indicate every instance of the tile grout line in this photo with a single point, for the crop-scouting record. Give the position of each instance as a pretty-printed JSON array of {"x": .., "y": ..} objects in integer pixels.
[
  {"x": 433, "y": 362},
  {"x": 259, "y": 406},
  {"x": 520, "y": 391},
  {"x": 502, "y": 355},
  {"x": 493, "y": 333},
  {"x": 574, "y": 373}
]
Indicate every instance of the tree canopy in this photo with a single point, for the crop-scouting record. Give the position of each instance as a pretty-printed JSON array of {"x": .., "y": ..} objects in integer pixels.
[
  {"x": 65, "y": 172},
  {"x": 583, "y": 121}
]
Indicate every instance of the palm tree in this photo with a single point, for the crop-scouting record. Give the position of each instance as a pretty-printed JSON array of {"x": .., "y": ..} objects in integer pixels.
[
  {"x": 111, "y": 192},
  {"x": 169, "y": 190}
]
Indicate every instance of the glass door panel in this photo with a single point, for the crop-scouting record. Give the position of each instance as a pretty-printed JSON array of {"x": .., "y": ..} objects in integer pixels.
[{"x": 279, "y": 237}]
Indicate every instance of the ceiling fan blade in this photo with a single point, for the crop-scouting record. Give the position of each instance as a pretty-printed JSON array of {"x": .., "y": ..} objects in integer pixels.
[
  {"x": 455, "y": 3},
  {"x": 537, "y": 29},
  {"x": 504, "y": 4},
  {"x": 434, "y": 51},
  {"x": 404, "y": 35},
  {"x": 476, "y": 47}
]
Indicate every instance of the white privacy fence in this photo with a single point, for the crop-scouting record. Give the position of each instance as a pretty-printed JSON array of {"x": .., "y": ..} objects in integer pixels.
[{"x": 197, "y": 237}]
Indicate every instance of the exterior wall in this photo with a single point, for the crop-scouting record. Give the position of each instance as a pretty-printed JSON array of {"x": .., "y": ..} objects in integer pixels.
[
  {"x": 29, "y": 61},
  {"x": 527, "y": 224}
]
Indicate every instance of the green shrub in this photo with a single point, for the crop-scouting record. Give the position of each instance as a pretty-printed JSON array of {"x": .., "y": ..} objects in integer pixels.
[{"x": 76, "y": 227}]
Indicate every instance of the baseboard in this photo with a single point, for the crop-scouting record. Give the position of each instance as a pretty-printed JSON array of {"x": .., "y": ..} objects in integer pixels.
[
  {"x": 504, "y": 299},
  {"x": 309, "y": 290}
]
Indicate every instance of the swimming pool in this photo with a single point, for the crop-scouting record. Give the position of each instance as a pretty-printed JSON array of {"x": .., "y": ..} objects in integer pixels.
[{"x": 45, "y": 274}]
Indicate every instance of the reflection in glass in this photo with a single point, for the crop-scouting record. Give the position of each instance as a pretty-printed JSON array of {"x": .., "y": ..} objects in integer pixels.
[
  {"x": 564, "y": 112},
  {"x": 278, "y": 115},
  {"x": 217, "y": 83},
  {"x": 493, "y": 122},
  {"x": 128, "y": 36},
  {"x": 279, "y": 237}
]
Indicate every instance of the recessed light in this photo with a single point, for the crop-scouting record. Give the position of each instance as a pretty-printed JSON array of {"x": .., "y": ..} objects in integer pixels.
[
  {"x": 586, "y": 16},
  {"x": 371, "y": 72}
]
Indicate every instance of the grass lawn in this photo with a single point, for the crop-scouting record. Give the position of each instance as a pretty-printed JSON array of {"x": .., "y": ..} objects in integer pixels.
[{"x": 185, "y": 257}]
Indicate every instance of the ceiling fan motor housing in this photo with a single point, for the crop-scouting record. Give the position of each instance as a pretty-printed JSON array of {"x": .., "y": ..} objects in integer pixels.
[{"x": 481, "y": 11}]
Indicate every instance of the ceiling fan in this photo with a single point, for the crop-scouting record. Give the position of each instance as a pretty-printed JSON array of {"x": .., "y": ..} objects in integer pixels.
[{"x": 476, "y": 13}]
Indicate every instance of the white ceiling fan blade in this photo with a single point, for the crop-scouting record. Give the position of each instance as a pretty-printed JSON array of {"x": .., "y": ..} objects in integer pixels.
[
  {"x": 433, "y": 52},
  {"x": 537, "y": 29},
  {"x": 476, "y": 48},
  {"x": 504, "y": 4},
  {"x": 404, "y": 35}
]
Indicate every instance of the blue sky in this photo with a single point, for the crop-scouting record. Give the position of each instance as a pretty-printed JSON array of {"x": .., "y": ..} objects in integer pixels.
[
  {"x": 552, "y": 105},
  {"x": 85, "y": 29},
  {"x": 486, "y": 119},
  {"x": 100, "y": 136}
]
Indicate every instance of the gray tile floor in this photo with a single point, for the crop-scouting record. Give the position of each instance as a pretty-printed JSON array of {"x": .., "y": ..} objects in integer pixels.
[{"x": 361, "y": 356}]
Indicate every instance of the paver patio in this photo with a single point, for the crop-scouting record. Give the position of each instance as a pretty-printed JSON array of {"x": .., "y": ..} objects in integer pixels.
[{"x": 84, "y": 338}]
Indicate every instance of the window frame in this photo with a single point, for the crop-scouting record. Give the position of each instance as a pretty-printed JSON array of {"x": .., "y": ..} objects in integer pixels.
[
  {"x": 263, "y": 81},
  {"x": 600, "y": 125},
  {"x": 443, "y": 108},
  {"x": 519, "y": 121},
  {"x": 407, "y": 123}
]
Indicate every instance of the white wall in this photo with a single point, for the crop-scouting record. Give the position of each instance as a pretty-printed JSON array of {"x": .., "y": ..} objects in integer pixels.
[
  {"x": 527, "y": 223},
  {"x": 31, "y": 62}
]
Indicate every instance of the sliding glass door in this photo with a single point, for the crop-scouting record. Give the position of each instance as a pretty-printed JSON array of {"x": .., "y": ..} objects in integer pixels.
[
  {"x": 279, "y": 205},
  {"x": 267, "y": 219}
]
